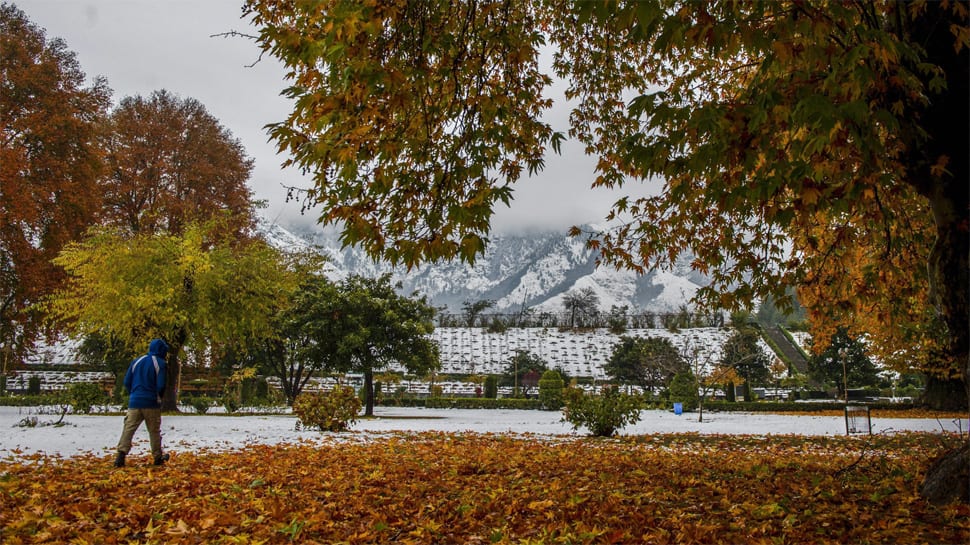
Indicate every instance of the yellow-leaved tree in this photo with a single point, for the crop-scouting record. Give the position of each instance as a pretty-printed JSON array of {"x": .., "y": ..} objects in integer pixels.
[{"x": 194, "y": 290}]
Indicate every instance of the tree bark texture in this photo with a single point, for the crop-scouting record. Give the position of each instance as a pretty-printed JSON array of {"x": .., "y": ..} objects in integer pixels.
[
  {"x": 173, "y": 372},
  {"x": 946, "y": 120},
  {"x": 369, "y": 392},
  {"x": 948, "y": 478}
]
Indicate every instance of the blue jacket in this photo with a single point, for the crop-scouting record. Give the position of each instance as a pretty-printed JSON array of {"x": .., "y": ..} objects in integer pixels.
[{"x": 145, "y": 378}]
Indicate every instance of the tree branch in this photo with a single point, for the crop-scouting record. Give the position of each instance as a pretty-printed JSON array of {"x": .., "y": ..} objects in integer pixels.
[{"x": 237, "y": 34}]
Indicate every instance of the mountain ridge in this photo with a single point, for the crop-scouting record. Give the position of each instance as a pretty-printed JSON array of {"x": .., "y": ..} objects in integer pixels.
[{"x": 534, "y": 270}]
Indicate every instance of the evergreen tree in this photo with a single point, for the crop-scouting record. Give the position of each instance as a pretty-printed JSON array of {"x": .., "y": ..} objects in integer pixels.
[
  {"x": 363, "y": 325},
  {"x": 844, "y": 361},
  {"x": 743, "y": 352},
  {"x": 521, "y": 363},
  {"x": 683, "y": 389},
  {"x": 648, "y": 362}
]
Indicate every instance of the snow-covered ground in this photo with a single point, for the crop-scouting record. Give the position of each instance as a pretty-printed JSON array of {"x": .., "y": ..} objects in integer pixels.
[{"x": 98, "y": 434}]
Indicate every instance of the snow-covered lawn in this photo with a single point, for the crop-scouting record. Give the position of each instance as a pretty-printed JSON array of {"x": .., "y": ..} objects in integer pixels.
[{"x": 98, "y": 434}]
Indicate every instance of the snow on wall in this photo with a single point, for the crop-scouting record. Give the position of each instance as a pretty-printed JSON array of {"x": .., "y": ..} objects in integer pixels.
[{"x": 580, "y": 354}]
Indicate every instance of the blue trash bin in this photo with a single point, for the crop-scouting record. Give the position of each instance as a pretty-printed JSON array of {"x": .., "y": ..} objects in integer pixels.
[{"x": 678, "y": 408}]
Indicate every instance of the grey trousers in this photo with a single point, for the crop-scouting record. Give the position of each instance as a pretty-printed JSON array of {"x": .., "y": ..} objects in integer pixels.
[{"x": 153, "y": 421}]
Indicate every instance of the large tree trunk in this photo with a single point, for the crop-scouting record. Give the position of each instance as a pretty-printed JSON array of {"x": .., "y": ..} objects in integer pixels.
[
  {"x": 948, "y": 479},
  {"x": 945, "y": 393},
  {"x": 173, "y": 372},
  {"x": 946, "y": 119}
]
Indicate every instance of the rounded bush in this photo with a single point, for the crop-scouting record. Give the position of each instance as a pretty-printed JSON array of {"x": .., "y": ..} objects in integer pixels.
[
  {"x": 199, "y": 404},
  {"x": 603, "y": 415},
  {"x": 550, "y": 390},
  {"x": 683, "y": 389},
  {"x": 491, "y": 387},
  {"x": 84, "y": 395},
  {"x": 335, "y": 410}
]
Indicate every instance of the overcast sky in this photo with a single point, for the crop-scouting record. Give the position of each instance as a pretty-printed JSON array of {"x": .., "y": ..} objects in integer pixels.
[{"x": 141, "y": 46}]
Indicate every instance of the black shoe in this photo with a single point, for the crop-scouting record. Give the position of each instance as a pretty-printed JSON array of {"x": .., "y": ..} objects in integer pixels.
[
  {"x": 159, "y": 460},
  {"x": 120, "y": 460}
]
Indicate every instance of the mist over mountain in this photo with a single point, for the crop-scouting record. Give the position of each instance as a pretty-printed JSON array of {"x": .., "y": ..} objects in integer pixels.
[{"x": 533, "y": 270}]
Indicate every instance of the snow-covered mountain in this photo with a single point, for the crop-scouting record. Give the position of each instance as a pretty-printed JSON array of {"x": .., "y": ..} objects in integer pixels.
[{"x": 516, "y": 271}]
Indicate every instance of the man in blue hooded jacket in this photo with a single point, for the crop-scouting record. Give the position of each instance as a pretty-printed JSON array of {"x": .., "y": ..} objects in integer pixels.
[{"x": 145, "y": 382}]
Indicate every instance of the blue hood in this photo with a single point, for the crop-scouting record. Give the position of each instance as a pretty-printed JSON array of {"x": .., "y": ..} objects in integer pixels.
[{"x": 158, "y": 347}]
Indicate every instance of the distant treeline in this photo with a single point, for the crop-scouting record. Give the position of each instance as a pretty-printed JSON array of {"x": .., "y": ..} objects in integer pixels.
[{"x": 499, "y": 322}]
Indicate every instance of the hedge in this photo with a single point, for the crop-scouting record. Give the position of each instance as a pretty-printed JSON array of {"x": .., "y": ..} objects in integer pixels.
[
  {"x": 783, "y": 406},
  {"x": 31, "y": 400},
  {"x": 483, "y": 403},
  {"x": 463, "y": 403}
]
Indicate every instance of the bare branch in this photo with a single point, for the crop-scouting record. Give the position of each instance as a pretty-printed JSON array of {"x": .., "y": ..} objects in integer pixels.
[{"x": 237, "y": 34}]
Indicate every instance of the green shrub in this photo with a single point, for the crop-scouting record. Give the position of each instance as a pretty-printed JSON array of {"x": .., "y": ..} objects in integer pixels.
[
  {"x": 30, "y": 401},
  {"x": 247, "y": 391},
  {"x": 683, "y": 389},
  {"x": 378, "y": 393},
  {"x": 238, "y": 388},
  {"x": 395, "y": 398},
  {"x": 405, "y": 401},
  {"x": 491, "y": 387},
  {"x": 118, "y": 390},
  {"x": 230, "y": 401},
  {"x": 748, "y": 394},
  {"x": 84, "y": 395},
  {"x": 33, "y": 386},
  {"x": 604, "y": 414},
  {"x": 335, "y": 410},
  {"x": 199, "y": 404},
  {"x": 550, "y": 390},
  {"x": 262, "y": 389}
]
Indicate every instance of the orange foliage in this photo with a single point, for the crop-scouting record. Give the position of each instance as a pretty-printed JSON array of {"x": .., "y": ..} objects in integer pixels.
[
  {"x": 872, "y": 280},
  {"x": 467, "y": 488},
  {"x": 170, "y": 163},
  {"x": 48, "y": 168}
]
